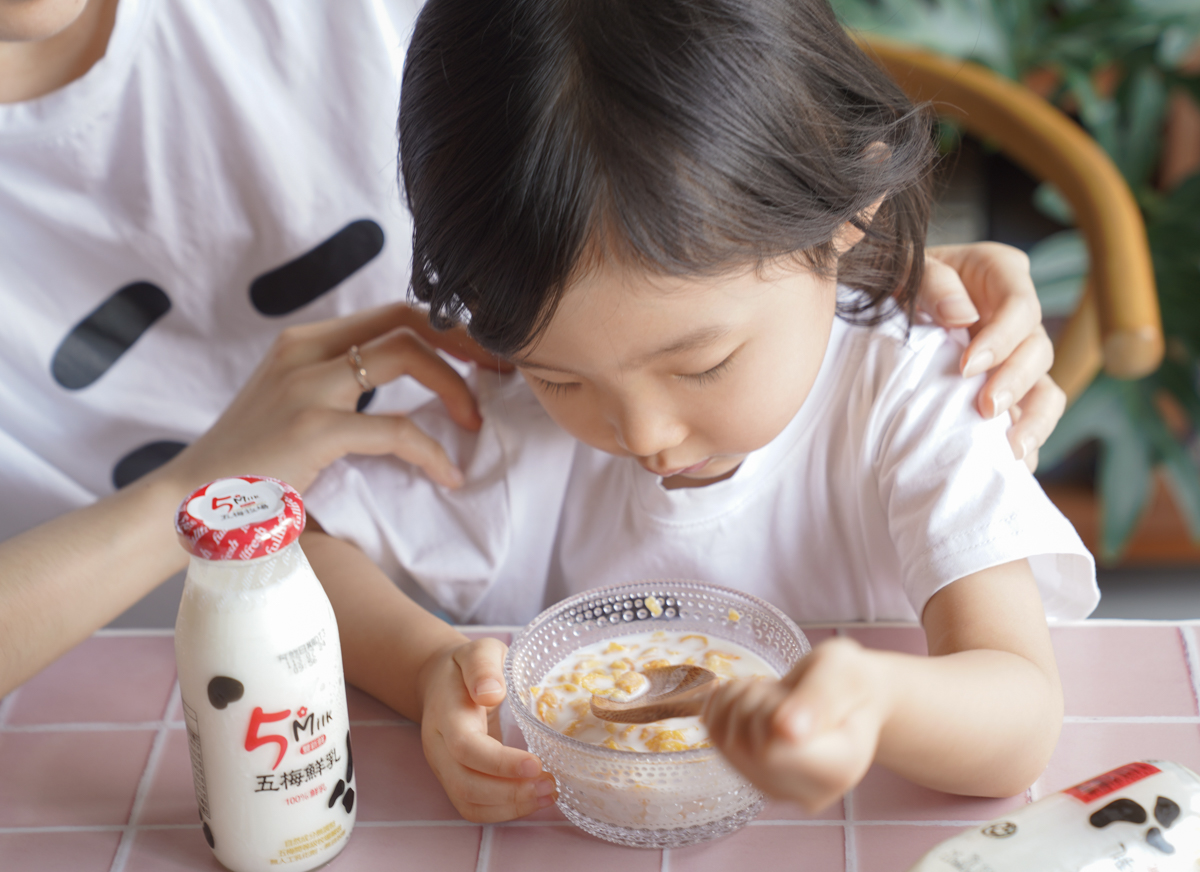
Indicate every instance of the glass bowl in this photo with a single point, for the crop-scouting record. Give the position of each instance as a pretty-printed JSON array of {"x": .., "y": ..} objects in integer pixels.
[{"x": 647, "y": 800}]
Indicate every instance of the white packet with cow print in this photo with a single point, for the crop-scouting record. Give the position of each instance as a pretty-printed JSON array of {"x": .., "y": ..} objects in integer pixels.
[
  {"x": 260, "y": 674},
  {"x": 1141, "y": 817}
]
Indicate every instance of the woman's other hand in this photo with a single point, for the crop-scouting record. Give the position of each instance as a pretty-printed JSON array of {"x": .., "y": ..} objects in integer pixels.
[
  {"x": 296, "y": 413},
  {"x": 986, "y": 287}
]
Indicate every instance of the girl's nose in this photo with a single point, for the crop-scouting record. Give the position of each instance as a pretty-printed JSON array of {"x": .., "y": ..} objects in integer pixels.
[{"x": 646, "y": 429}]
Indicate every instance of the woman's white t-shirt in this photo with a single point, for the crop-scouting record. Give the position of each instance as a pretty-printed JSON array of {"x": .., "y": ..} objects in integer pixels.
[
  {"x": 886, "y": 486},
  {"x": 215, "y": 142}
]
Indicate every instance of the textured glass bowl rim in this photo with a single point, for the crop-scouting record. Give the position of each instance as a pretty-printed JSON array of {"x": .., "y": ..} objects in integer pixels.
[{"x": 617, "y": 755}]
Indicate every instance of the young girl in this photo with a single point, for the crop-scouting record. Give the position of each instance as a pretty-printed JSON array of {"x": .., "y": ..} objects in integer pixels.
[{"x": 695, "y": 228}]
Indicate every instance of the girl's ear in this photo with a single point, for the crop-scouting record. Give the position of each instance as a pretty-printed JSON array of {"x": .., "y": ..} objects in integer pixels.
[{"x": 848, "y": 235}]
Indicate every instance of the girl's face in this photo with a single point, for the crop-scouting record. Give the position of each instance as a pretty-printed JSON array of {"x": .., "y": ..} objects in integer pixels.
[{"x": 687, "y": 376}]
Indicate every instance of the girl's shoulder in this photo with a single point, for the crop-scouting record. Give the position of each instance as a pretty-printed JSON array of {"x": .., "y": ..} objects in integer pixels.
[{"x": 896, "y": 358}]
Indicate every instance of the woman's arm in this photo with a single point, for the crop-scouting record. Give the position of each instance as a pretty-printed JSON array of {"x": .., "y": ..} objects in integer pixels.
[
  {"x": 979, "y": 716},
  {"x": 295, "y": 415}
]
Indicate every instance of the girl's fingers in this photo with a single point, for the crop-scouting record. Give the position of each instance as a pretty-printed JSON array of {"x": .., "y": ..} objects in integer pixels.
[
  {"x": 1014, "y": 378},
  {"x": 482, "y": 666},
  {"x": 943, "y": 296},
  {"x": 397, "y": 435},
  {"x": 475, "y": 750},
  {"x": 1039, "y": 414},
  {"x": 824, "y": 694}
]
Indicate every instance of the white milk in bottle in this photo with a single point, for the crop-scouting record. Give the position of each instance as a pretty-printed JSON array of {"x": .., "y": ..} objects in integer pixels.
[{"x": 260, "y": 672}]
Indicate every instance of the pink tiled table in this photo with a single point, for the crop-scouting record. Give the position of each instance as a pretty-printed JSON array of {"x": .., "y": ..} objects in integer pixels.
[{"x": 94, "y": 771}]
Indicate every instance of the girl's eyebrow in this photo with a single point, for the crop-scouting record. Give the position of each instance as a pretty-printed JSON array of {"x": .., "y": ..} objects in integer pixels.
[{"x": 687, "y": 342}]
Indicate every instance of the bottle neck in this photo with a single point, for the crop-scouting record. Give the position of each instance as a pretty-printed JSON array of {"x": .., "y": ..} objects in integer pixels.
[{"x": 261, "y": 572}]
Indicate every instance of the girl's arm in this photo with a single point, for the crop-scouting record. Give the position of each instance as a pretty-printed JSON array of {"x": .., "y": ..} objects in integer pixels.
[
  {"x": 979, "y": 716},
  {"x": 62, "y": 580},
  {"x": 429, "y": 672}
]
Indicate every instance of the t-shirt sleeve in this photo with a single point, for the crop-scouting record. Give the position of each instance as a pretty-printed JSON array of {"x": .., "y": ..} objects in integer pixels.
[
  {"x": 955, "y": 498},
  {"x": 449, "y": 549}
]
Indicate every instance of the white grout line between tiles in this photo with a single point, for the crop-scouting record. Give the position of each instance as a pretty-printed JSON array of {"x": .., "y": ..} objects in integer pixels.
[
  {"x": 665, "y": 863},
  {"x": 851, "y": 839},
  {"x": 485, "y": 849},
  {"x": 144, "y": 784},
  {"x": 7, "y": 704},
  {"x": 1191, "y": 653}
]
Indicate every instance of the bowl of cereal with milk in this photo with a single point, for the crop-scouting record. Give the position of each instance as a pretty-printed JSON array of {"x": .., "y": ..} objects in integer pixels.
[{"x": 651, "y": 785}]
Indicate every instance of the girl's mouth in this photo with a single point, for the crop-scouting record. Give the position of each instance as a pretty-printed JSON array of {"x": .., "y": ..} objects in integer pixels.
[{"x": 683, "y": 470}]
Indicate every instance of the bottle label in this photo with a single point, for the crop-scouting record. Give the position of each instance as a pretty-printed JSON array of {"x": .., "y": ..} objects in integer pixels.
[
  {"x": 1112, "y": 781},
  {"x": 235, "y": 502}
]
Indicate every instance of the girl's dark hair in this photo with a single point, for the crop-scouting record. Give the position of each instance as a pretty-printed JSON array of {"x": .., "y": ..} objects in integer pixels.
[{"x": 685, "y": 137}]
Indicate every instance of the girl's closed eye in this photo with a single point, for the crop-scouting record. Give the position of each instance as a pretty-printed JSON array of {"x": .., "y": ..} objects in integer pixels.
[
  {"x": 553, "y": 388},
  {"x": 709, "y": 375}
]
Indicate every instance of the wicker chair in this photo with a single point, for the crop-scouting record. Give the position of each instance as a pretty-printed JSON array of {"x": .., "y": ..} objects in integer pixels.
[{"x": 1117, "y": 325}]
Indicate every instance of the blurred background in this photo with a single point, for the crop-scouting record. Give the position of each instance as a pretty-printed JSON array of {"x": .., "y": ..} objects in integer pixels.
[{"x": 1124, "y": 463}]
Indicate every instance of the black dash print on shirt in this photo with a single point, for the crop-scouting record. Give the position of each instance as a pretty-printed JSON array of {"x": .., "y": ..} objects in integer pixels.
[
  {"x": 142, "y": 460},
  {"x": 298, "y": 282},
  {"x": 364, "y": 400},
  {"x": 99, "y": 340}
]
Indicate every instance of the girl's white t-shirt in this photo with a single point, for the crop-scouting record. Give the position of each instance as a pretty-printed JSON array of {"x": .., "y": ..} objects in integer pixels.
[
  {"x": 885, "y": 487},
  {"x": 216, "y": 141}
]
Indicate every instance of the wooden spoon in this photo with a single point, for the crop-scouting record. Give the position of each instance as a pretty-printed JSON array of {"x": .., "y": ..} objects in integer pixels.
[{"x": 674, "y": 692}]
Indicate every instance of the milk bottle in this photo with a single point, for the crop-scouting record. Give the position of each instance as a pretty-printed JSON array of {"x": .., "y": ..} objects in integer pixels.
[
  {"x": 260, "y": 673},
  {"x": 1141, "y": 817}
]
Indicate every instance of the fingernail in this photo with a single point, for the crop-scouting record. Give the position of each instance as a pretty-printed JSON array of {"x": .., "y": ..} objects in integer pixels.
[
  {"x": 529, "y": 768},
  {"x": 1028, "y": 446},
  {"x": 544, "y": 787},
  {"x": 957, "y": 311},
  {"x": 980, "y": 361},
  {"x": 488, "y": 685},
  {"x": 545, "y": 801},
  {"x": 454, "y": 477},
  {"x": 1001, "y": 400}
]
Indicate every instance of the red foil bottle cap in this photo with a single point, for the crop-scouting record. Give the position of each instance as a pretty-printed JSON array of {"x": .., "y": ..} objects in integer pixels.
[{"x": 240, "y": 518}]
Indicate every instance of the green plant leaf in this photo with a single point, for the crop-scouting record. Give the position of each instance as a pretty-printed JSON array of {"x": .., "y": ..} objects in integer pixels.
[
  {"x": 1139, "y": 138},
  {"x": 1183, "y": 477},
  {"x": 1112, "y": 412},
  {"x": 1124, "y": 471},
  {"x": 1059, "y": 265},
  {"x": 1049, "y": 200}
]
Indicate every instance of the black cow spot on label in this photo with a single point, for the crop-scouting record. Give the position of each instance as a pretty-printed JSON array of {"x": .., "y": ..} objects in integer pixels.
[
  {"x": 364, "y": 400},
  {"x": 223, "y": 690},
  {"x": 1166, "y": 811},
  {"x": 1156, "y": 840},
  {"x": 1119, "y": 810},
  {"x": 208, "y": 837},
  {"x": 96, "y": 342},
  {"x": 298, "y": 282},
  {"x": 348, "y": 801},
  {"x": 337, "y": 791},
  {"x": 142, "y": 460},
  {"x": 350, "y": 763}
]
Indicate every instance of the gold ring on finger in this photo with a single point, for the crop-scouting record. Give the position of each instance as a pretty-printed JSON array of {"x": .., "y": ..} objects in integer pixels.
[{"x": 360, "y": 372}]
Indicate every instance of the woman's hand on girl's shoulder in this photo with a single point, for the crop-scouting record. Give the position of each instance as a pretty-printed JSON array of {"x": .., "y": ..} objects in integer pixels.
[
  {"x": 986, "y": 287},
  {"x": 297, "y": 412}
]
